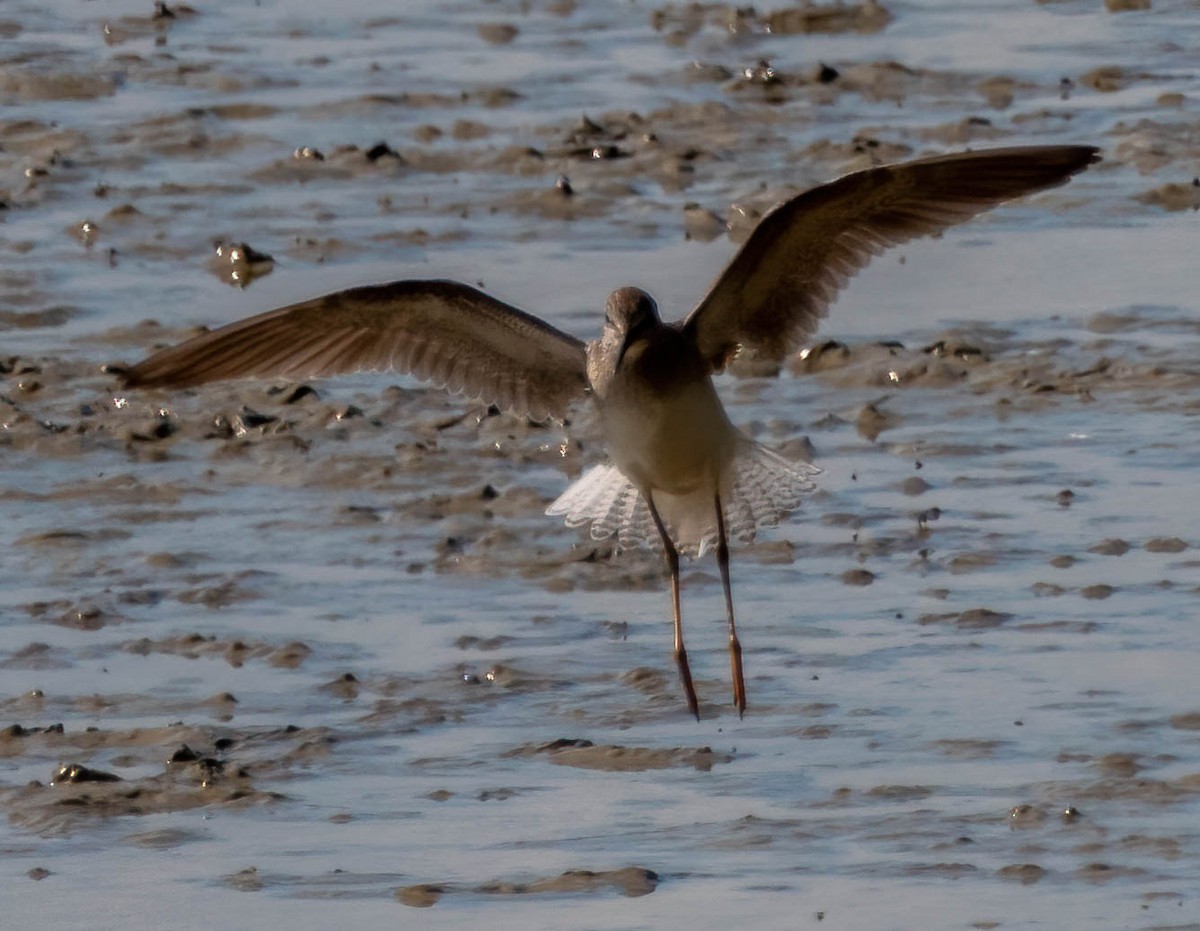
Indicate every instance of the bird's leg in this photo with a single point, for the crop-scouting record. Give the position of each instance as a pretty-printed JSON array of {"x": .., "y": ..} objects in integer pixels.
[
  {"x": 735, "y": 646},
  {"x": 681, "y": 660}
]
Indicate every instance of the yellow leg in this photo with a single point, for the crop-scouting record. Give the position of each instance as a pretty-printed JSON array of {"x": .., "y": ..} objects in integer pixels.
[
  {"x": 735, "y": 646},
  {"x": 681, "y": 660}
]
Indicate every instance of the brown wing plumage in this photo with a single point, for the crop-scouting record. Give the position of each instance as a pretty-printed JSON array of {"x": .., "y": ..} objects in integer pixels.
[
  {"x": 782, "y": 281},
  {"x": 444, "y": 332}
]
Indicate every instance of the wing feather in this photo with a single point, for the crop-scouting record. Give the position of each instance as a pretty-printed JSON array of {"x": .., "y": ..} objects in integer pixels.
[
  {"x": 445, "y": 332},
  {"x": 781, "y": 282}
]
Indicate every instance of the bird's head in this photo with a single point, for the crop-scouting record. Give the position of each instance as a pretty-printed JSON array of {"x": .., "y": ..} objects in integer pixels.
[{"x": 628, "y": 315}]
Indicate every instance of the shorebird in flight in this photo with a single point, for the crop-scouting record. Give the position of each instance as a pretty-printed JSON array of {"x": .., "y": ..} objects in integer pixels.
[{"x": 680, "y": 473}]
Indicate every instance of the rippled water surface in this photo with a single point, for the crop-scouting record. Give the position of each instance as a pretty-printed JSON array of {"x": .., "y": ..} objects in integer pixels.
[{"x": 345, "y": 669}]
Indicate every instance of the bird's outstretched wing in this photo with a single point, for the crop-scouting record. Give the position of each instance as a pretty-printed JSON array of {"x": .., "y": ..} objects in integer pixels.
[
  {"x": 783, "y": 279},
  {"x": 444, "y": 332}
]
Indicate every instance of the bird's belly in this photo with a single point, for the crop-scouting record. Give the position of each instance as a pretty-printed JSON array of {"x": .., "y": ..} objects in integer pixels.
[{"x": 677, "y": 444}]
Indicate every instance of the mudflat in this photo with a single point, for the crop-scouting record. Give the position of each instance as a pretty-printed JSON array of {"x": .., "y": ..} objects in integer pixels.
[{"x": 312, "y": 653}]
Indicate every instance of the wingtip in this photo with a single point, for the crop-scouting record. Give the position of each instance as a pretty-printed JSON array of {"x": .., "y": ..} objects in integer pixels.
[
  {"x": 1073, "y": 159},
  {"x": 118, "y": 371},
  {"x": 1090, "y": 155},
  {"x": 1079, "y": 158},
  {"x": 132, "y": 377},
  {"x": 145, "y": 375}
]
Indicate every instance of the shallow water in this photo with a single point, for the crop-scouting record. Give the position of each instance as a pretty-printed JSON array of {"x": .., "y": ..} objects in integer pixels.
[{"x": 413, "y": 699}]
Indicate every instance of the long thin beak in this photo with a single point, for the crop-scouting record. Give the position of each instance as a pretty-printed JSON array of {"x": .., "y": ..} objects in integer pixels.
[
  {"x": 632, "y": 334},
  {"x": 624, "y": 348}
]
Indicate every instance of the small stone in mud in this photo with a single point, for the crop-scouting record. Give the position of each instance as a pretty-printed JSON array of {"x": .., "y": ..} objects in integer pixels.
[
  {"x": 245, "y": 880},
  {"x": 85, "y": 231},
  {"x": 799, "y": 449},
  {"x": 422, "y": 895},
  {"x": 981, "y": 619},
  {"x": 1122, "y": 765},
  {"x": 741, "y": 220},
  {"x": 602, "y": 153},
  {"x": 382, "y": 150},
  {"x": 963, "y": 563},
  {"x": 247, "y": 419},
  {"x": 290, "y": 656},
  {"x": 826, "y": 74},
  {"x": 1096, "y": 592},
  {"x": 926, "y": 517},
  {"x": 1025, "y": 816},
  {"x": 563, "y": 743},
  {"x": 1111, "y": 547},
  {"x": 38, "y": 873},
  {"x": 701, "y": 224},
  {"x": 85, "y": 617},
  {"x": 1105, "y": 79},
  {"x": 944, "y": 348},
  {"x": 698, "y": 71},
  {"x": 858, "y": 577},
  {"x": 210, "y": 768},
  {"x": 1173, "y": 196},
  {"x": 72, "y": 773},
  {"x": 471, "y": 642},
  {"x": 761, "y": 73},
  {"x": 1025, "y": 873},
  {"x": 158, "y": 429},
  {"x": 914, "y": 485},
  {"x": 1065, "y": 497},
  {"x": 1047, "y": 589},
  {"x": 1103, "y": 872},
  {"x": 238, "y": 263},
  {"x": 588, "y": 129},
  {"x": 1063, "y": 561},
  {"x": 872, "y": 421},
  {"x": 466, "y": 130},
  {"x": 497, "y": 33},
  {"x": 1165, "y": 545},
  {"x": 900, "y": 792},
  {"x": 645, "y": 680},
  {"x": 299, "y": 393},
  {"x": 345, "y": 686}
]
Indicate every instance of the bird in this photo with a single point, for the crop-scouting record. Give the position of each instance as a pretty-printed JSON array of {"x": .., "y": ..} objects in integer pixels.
[{"x": 680, "y": 473}]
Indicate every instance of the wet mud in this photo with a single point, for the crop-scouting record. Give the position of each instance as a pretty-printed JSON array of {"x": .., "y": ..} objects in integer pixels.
[{"x": 297, "y": 652}]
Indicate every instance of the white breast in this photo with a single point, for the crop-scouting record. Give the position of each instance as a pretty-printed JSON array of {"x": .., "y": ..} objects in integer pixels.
[{"x": 674, "y": 443}]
